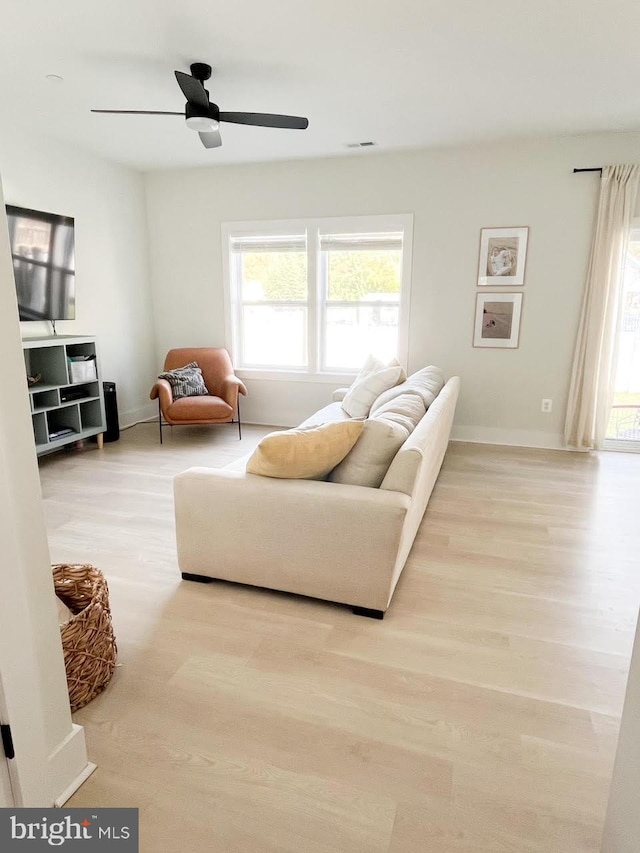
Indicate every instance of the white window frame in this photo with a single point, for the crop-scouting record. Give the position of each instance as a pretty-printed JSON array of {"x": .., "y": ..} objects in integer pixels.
[{"x": 316, "y": 306}]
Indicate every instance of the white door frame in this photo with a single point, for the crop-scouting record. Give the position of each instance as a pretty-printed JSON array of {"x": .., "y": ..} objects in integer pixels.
[
  {"x": 50, "y": 751},
  {"x": 6, "y": 793}
]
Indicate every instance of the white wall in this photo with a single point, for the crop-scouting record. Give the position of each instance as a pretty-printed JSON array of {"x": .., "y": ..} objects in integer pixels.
[
  {"x": 50, "y": 750},
  {"x": 452, "y": 193},
  {"x": 112, "y": 282}
]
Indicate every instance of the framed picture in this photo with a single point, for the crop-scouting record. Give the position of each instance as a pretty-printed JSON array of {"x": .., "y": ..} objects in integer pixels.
[
  {"x": 503, "y": 252},
  {"x": 497, "y": 321}
]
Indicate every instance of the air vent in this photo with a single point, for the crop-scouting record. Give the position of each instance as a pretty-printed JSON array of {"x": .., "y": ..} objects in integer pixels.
[{"x": 360, "y": 144}]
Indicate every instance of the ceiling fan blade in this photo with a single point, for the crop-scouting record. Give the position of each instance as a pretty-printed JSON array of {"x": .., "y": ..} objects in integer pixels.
[
  {"x": 192, "y": 89},
  {"x": 267, "y": 120},
  {"x": 138, "y": 112},
  {"x": 211, "y": 140}
]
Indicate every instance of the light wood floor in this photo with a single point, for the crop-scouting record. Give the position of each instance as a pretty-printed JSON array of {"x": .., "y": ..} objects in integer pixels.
[{"x": 480, "y": 716}]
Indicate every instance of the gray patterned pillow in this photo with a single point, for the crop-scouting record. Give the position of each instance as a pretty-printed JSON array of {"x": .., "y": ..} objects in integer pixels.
[{"x": 185, "y": 381}]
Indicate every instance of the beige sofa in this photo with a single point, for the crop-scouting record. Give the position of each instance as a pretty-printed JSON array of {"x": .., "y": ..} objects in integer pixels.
[{"x": 327, "y": 540}]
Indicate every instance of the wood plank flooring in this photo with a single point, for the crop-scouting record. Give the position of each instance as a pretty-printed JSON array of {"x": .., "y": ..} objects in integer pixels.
[{"x": 480, "y": 716}]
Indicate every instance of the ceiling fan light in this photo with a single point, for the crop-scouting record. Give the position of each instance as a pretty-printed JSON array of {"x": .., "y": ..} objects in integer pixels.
[{"x": 202, "y": 124}]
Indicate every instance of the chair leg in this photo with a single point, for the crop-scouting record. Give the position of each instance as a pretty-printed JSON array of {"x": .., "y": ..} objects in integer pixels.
[
  {"x": 160, "y": 420},
  {"x": 239, "y": 423}
]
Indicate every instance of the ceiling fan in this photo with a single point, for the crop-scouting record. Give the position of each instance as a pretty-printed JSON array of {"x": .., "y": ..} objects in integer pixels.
[{"x": 203, "y": 116}]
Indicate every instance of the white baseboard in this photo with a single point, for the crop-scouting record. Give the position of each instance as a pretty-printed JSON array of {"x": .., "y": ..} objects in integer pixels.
[
  {"x": 73, "y": 787},
  {"x": 509, "y": 437},
  {"x": 472, "y": 434},
  {"x": 69, "y": 766},
  {"x": 134, "y": 416},
  {"x": 489, "y": 435}
]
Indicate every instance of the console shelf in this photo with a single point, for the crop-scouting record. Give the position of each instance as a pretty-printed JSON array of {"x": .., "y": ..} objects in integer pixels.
[{"x": 67, "y": 402}]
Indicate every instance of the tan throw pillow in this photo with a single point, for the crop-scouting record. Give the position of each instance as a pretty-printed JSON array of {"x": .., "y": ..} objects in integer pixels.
[
  {"x": 304, "y": 454},
  {"x": 367, "y": 462},
  {"x": 373, "y": 379}
]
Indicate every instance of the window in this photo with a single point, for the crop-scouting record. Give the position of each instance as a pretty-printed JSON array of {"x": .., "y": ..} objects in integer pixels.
[
  {"x": 272, "y": 299},
  {"x": 317, "y": 296}
]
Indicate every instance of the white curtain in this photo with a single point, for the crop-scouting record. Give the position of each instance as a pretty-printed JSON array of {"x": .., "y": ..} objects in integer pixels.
[{"x": 591, "y": 389}]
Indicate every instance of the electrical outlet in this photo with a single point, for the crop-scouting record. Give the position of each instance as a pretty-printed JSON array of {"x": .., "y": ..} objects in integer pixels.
[{"x": 546, "y": 406}]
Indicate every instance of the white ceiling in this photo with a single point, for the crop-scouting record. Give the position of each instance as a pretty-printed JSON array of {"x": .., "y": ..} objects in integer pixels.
[{"x": 408, "y": 73}]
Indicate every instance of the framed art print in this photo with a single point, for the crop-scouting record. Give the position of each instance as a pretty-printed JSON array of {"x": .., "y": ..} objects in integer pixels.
[
  {"x": 497, "y": 322},
  {"x": 503, "y": 253}
]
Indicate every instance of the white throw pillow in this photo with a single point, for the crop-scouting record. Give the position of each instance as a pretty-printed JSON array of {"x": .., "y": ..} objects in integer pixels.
[
  {"x": 371, "y": 365},
  {"x": 427, "y": 383},
  {"x": 368, "y": 460},
  {"x": 373, "y": 380}
]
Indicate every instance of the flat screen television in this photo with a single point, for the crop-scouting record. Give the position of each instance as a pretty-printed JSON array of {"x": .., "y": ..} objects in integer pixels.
[{"x": 43, "y": 253}]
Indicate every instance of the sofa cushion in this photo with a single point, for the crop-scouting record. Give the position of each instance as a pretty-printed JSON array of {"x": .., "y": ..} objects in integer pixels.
[
  {"x": 374, "y": 378},
  {"x": 406, "y": 409},
  {"x": 304, "y": 453},
  {"x": 199, "y": 408},
  {"x": 426, "y": 446},
  {"x": 328, "y": 414},
  {"x": 427, "y": 383},
  {"x": 368, "y": 460}
]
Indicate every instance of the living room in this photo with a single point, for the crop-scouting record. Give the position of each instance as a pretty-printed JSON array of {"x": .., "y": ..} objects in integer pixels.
[
  {"x": 149, "y": 245},
  {"x": 133, "y": 230}
]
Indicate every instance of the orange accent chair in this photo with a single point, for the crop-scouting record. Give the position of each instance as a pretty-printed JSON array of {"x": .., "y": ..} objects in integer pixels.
[{"x": 220, "y": 406}]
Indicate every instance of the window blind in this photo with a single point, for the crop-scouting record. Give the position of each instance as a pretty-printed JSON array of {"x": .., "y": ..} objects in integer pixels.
[
  {"x": 361, "y": 242},
  {"x": 275, "y": 243}
]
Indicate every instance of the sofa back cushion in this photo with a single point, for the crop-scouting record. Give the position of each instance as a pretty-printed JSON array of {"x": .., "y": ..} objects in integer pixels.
[
  {"x": 425, "y": 447},
  {"x": 404, "y": 409},
  {"x": 304, "y": 454},
  {"x": 426, "y": 383},
  {"x": 374, "y": 378},
  {"x": 367, "y": 462}
]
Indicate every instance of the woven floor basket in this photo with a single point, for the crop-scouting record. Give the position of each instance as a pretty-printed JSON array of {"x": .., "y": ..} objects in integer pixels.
[{"x": 87, "y": 638}]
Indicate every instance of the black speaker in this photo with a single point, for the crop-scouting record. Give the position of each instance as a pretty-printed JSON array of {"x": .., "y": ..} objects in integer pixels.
[{"x": 111, "y": 411}]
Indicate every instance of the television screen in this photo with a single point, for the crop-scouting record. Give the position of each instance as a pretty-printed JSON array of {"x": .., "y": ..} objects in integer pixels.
[{"x": 42, "y": 249}]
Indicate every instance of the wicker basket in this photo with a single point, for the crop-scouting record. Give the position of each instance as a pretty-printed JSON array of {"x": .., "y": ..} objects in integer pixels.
[{"x": 88, "y": 641}]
